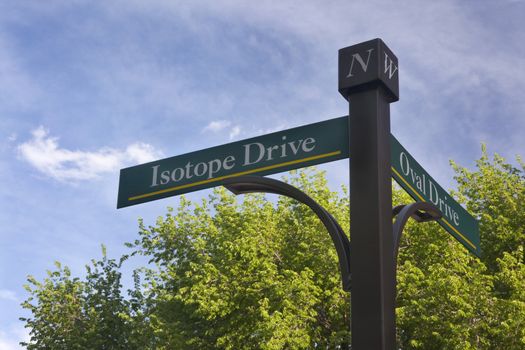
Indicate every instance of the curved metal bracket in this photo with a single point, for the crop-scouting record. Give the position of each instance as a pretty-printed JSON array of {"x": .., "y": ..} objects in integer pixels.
[
  {"x": 419, "y": 211},
  {"x": 249, "y": 184}
]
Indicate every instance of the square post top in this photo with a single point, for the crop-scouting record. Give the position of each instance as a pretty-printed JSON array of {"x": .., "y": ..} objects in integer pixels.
[{"x": 365, "y": 66}]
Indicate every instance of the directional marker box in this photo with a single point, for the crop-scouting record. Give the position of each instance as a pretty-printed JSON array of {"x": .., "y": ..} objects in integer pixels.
[{"x": 368, "y": 64}]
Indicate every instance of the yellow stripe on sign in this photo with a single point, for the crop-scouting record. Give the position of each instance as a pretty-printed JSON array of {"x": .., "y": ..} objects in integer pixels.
[
  {"x": 409, "y": 186},
  {"x": 247, "y": 172},
  {"x": 442, "y": 219}
]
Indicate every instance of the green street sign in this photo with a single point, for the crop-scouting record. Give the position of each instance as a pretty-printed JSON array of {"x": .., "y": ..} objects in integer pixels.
[
  {"x": 422, "y": 187},
  {"x": 263, "y": 155},
  {"x": 280, "y": 151}
]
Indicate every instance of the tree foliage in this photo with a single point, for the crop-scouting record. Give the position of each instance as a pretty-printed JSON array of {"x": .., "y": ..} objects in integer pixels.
[
  {"x": 68, "y": 313},
  {"x": 232, "y": 273}
]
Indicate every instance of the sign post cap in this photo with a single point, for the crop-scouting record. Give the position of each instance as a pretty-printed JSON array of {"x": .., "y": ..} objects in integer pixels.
[{"x": 366, "y": 65}]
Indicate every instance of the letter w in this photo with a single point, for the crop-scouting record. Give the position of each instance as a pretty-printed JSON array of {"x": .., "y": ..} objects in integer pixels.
[
  {"x": 388, "y": 66},
  {"x": 357, "y": 57}
]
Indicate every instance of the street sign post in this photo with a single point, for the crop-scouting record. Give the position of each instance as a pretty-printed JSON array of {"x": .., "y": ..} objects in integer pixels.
[{"x": 369, "y": 80}]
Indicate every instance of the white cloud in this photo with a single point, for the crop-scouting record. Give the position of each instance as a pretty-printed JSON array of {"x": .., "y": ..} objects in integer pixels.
[
  {"x": 235, "y": 131},
  {"x": 9, "y": 295},
  {"x": 216, "y": 125},
  {"x": 12, "y": 137},
  {"x": 43, "y": 152}
]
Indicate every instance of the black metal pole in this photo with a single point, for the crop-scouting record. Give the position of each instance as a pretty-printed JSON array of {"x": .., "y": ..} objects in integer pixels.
[
  {"x": 366, "y": 79},
  {"x": 373, "y": 284}
]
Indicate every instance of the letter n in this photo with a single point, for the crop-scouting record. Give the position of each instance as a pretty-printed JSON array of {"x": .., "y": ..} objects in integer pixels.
[{"x": 357, "y": 57}]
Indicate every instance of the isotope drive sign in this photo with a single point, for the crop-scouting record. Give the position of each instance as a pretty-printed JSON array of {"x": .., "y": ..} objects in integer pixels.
[{"x": 272, "y": 153}]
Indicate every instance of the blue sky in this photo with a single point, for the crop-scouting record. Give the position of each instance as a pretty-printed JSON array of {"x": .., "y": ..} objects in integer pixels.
[{"x": 89, "y": 87}]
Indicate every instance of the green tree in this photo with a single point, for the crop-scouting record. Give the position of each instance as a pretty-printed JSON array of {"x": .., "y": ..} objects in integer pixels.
[
  {"x": 448, "y": 299},
  {"x": 495, "y": 193},
  {"x": 68, "y": 313},
  {"x": 248, "y": 273},
  {"x": 57, "y": 320}
]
